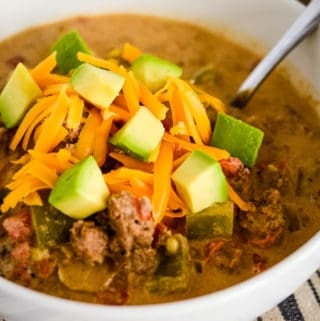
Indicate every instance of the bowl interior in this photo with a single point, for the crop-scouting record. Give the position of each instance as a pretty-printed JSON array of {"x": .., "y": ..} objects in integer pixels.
[
  {"x": 248, "y": 21},
  {"x": 228, "y": 16}
]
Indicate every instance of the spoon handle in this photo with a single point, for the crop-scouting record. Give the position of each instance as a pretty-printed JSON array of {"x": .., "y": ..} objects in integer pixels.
[{"x": 302, "y": 26}]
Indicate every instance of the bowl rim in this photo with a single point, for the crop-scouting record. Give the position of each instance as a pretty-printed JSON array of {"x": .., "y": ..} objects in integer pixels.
[{"x": 277, "y": 270}]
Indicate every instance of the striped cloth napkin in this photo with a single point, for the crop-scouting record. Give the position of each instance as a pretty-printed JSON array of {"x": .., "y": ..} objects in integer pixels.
[{"x": 303, "y": 305}]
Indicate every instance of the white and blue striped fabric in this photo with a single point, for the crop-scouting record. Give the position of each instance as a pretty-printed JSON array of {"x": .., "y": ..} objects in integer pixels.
[{"x": 303, "y": 305}]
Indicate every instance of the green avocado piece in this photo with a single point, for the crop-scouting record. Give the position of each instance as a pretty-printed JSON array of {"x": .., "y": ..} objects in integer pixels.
[
  {"x": 238, "y": 138},
  {"x": 200, "y": 181},
  {"x": 51, "y": 226},
  {"x": 214, "y": 221},
  {"x": 99, "y": 86},
  {"x": 17, "y": 95},
  {"x": 140, "y": 136},
  {"x": 81, "y": 190},
  {"x": 154, "y": 71},
  {"x": 173, "y": 270},
  {"x": 67, "y": 47}
]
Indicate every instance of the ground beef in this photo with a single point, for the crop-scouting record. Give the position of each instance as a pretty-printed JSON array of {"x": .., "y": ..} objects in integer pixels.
[
  {"x": 278, "y": 176},
  {"x": 266, "y": 218},
  {"x": 20, "y": 253},
  {"x": 18, "y": 226},
  {"x": 142, "y": 260},
  {"x": 15, "y": 260},
  {"x": 131, "y": 230},
  {"x": 127, "y": 220},
  {"x": 261, "y": 186},
  {"x": 241, "y": 182},
  {"x": 251, "y": 183},
  {"x": 45, "y": 267},
  {"x": 89, "y": 241},
  {"x": 15, "y": 246},
  {"x": 224, "y": 255}
]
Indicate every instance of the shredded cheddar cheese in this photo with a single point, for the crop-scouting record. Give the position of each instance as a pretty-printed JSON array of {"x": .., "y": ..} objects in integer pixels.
[
  {"x": 53, "y": 123},
  {"x": 101, "y": 63},
  {"x": 130, "y": 52},
  {"x": 62, "y": 128},
  {"x": 131, "y": 162},
  {"x": 158, "y": 109},
  {"x": 210, "y": 100},
  {"x": 74, "y": 117},
  {"x": 100, "y": 146},
  {"x": 84, "y": 146},
  {"x": 195, "y": 108},
  {"x": 35, "y": 115},
  {"x": 215, "y": 153},
  {"x": 43, "y": 69},
  {"x": 131, "y": 93},
  {"x": 162, "y": 181}
]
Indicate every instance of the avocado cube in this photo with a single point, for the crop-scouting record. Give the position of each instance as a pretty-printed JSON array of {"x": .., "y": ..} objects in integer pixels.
[
  {"x": 67, "y": 47},
  {"x": 17, "y": 95},
  {"x": 51, "y": 226},
  {"x": 81, "y": 190},
  {"x": 140, "y": 136},
  {"x": 214, "y": 221},
  {"x": 154, "y": 71},
  {"x": 200, "y": 181},
  {"x": 240, "y": 139},
  {"x": 99, "y": 86},
  {"x": 173, "y": 270}
]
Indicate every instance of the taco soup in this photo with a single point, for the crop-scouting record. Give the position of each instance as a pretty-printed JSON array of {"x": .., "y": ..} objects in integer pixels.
[{"x": 125, "y": 176}]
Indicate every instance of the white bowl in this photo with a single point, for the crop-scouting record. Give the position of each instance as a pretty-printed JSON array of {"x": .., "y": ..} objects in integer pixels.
[{"x": 264, "y": 21}]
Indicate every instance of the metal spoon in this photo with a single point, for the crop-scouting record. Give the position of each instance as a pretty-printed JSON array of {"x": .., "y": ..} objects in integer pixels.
[{"x": 303, "y": 26}]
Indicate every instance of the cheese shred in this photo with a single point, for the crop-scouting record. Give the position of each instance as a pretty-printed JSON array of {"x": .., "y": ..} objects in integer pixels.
[{"x": 61, "y": 128}]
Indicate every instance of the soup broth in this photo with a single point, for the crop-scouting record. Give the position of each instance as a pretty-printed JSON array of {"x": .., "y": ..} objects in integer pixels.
[{"x": 282, "y": 186}]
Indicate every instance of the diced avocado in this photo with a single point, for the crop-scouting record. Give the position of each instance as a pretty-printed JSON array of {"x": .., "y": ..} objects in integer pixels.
[
  {"x": 238, "y": 138},
  {"x": 81, "y": 190},
  {"x": 99, "y": 86},
  {"x": 67, "y": 47},
  {"x": 154, "y": 71},
  {"x": 200, "y": 182},
  {"x": 140, "y": 136},
  {"x": 17, "y": 95},
  {"x": 154, "y": 155},
  {"x": 173, "y": 269},
  {"x": 216, "y": 220},
  {"x": 51, "y": 227}
]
